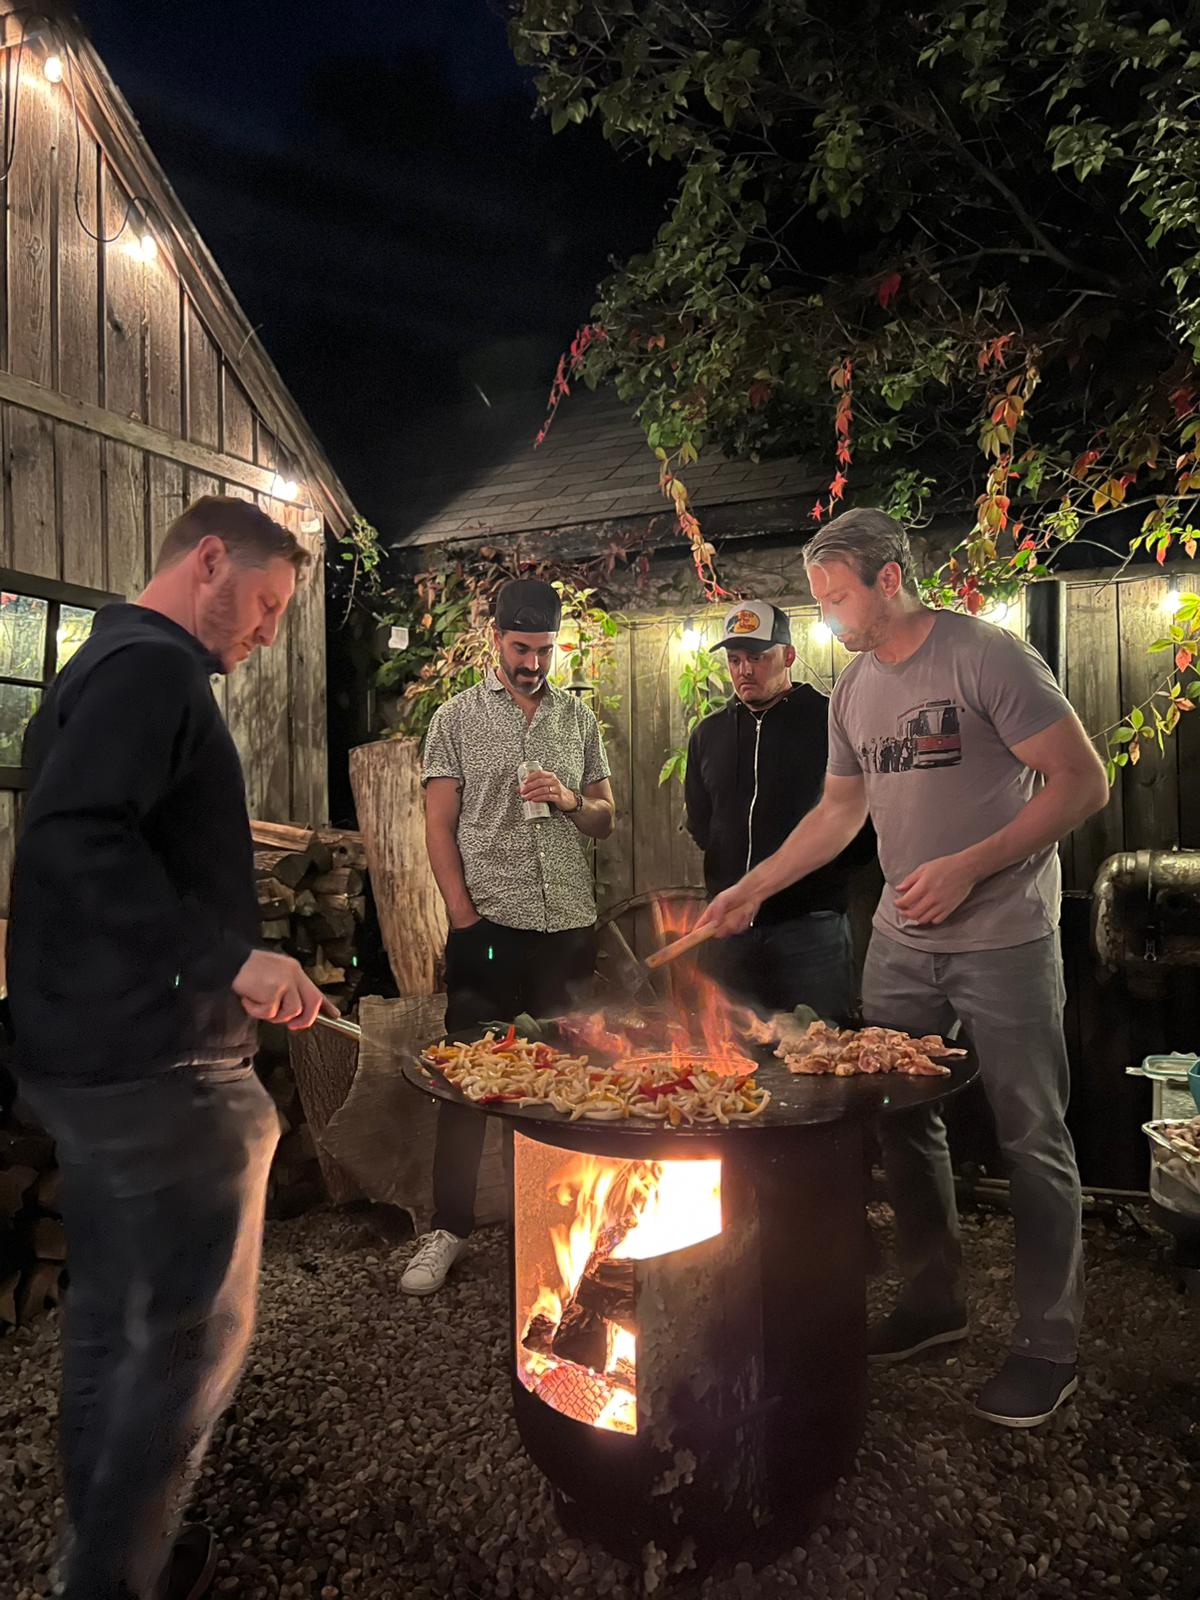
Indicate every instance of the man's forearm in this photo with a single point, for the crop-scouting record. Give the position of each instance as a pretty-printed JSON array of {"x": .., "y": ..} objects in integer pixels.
[
  {"x": 1054, "y": 812},
  {"x": 594, "y": 819},
  {"x": 446, "y": 860},
  {"x": 814, "y": 842}
]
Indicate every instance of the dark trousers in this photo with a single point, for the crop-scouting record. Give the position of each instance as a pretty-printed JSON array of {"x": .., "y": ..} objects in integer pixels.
[
  {"x": 808, "y": 961},
  {"x": 494, "y": 974},
  {"x": 164, "y": 1188}
]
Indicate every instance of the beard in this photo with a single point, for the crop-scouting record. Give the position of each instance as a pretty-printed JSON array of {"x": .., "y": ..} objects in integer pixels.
[{"x": 221, "y": 625}]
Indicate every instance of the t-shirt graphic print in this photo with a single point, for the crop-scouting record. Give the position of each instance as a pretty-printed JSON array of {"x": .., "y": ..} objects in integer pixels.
[
  {"x": 925, "y": 736},
  {"x": 932, "y": 737}
]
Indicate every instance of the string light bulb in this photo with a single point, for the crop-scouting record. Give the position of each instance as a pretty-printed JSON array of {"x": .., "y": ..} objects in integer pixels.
[
  {"x": 1172, "y": 600},
  {"x": 996, "y": 613},
  {"x": 822, "y": 633},
  {"x": 691, "y": 635},
  {"x": 284, "y": 488},
  {"x": 52, "y": 69}
]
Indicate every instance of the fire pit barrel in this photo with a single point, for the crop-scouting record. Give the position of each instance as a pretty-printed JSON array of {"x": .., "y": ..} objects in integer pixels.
[{"x": 689, "y": 1311}]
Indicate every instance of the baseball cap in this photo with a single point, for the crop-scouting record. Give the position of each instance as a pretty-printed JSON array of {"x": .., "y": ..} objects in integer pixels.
[
  {"x": 754, "y": 625},
  {"x": 529, "y": 604}
]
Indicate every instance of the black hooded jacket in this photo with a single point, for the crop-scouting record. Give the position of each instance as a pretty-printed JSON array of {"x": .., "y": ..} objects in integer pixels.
[
  {"x": 133, "y": 904},
  {"x": 751, "y": 776}
]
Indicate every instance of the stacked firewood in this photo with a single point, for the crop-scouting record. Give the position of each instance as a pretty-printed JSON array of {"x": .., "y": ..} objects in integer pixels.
[
  {"x": 313, "y": 902},
  {"x": 33, "y": 1246}
]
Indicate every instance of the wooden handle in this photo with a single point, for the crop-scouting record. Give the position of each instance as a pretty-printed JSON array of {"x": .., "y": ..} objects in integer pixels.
[{"x": 672, "y": 952}]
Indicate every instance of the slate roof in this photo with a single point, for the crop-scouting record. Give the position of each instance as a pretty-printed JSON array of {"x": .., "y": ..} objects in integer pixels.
[{"x": 594, "y": 465}]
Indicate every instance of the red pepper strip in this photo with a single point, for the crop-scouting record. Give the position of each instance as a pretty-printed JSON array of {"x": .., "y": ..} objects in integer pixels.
[
  {"x": 511, "y": 1036},
  {"x": 653, "y": 1090},
  {"x": 490, "y": 1099}
]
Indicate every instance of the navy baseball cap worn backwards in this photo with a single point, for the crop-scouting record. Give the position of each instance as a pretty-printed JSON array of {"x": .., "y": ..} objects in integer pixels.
[{"x": 754, "y": 625}]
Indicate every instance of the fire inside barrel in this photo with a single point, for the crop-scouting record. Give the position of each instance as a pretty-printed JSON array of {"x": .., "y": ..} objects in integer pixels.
[{"x": 576, "y": 1332}]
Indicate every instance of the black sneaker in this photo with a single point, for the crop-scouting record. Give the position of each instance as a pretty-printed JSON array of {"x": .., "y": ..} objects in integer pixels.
[
  {"x": 1026, "y": 1391},
  {"x": 193, "y": 1564},
  {"x": 906, "y": 1333}
]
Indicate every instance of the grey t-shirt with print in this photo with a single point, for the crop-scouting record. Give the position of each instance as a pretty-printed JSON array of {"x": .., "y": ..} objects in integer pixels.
[{"x": 933, "y": 738}]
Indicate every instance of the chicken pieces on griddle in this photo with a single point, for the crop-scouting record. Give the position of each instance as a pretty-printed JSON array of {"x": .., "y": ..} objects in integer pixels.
[{"x": 846, "y": 1052}]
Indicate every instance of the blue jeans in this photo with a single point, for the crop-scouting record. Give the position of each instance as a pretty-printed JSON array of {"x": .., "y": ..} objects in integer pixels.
[
  {"x": 164, "y": 1189},
  {"x": 808, "y": 961}
]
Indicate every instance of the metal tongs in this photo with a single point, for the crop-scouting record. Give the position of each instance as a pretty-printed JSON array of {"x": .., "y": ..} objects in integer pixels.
[{"x": 342, "y": 1025}]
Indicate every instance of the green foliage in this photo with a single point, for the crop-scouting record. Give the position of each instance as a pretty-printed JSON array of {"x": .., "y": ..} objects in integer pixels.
[
  {"x": 703, "y": 687},
  {"x": 960, "y": 243}
]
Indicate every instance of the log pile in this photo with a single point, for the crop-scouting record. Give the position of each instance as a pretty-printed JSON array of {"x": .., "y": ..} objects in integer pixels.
[
  {"x": 314, "y": 902},
  {"x": 33, "y": 1245}
]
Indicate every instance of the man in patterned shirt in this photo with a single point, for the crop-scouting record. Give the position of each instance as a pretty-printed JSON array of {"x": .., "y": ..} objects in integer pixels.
[{"x": 518, "y": 892}]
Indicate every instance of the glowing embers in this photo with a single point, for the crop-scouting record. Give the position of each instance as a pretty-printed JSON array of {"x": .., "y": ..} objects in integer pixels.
[{"x": 582, "y": 1224}]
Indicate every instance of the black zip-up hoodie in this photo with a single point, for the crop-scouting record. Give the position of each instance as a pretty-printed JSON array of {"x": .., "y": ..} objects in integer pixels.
[
  {"x": 133, "y": 902},
  {"x": 751, "y": 776}
]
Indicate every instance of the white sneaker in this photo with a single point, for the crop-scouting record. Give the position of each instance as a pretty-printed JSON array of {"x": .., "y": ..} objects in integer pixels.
[{"x": 435, "y": 1254}]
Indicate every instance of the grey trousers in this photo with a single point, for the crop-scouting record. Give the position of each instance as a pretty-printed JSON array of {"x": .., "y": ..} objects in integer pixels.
[
  {"x": 1010, "y": 1005},
  {"x": 164, "y": 1187}
]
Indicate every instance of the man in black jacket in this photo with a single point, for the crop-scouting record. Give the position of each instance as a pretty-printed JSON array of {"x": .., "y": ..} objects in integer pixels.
[
  {"x": 135, "y": 987},
  {"x": 754, "y": 769}
]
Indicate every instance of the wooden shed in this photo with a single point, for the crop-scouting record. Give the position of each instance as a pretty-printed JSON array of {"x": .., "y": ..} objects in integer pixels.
[{"x": 130, "y": 383}]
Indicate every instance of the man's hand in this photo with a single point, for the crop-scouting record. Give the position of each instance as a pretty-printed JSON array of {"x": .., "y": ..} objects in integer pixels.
[
  {"x": 730, "y": 912},
  {"x": 465, "y": 919},
  {"x": 935, "y": 891},
  {"x": 549, "y": 790},
  {"x": 274, "y": 988}
]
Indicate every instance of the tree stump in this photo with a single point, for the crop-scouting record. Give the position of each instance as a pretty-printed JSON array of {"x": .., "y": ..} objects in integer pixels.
[{"x": 386, "y": 777}]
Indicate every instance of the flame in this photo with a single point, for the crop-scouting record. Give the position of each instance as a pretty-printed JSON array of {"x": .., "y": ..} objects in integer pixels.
[
  {"x": 617, "y": 1211},
  {"x": 682, "y": 1207}
]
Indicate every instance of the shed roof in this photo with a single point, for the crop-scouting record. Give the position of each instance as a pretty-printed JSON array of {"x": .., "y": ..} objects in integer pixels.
[{"x": 593, "y": 466}]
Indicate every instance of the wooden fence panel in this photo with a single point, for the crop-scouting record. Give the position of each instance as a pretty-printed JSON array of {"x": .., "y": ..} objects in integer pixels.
[
  {"x": 1151, "y": 789},
  {"x": 1092, "y": 683},
  {"x": 614, "y": 857}
]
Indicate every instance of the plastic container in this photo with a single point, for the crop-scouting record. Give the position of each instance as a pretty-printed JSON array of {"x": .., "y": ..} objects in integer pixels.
[
  {"x": 1174, "y": 1172},
  {"x": 1168, "y": 1077}
]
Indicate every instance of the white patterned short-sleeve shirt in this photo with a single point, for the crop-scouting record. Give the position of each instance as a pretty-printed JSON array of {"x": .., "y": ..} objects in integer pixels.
[{"x": 535, "y": 875}]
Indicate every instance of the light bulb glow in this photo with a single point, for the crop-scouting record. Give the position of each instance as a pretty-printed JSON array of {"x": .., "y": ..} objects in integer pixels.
[
  {"x": 1172, "y": 601},
  {"x": 996, "y": 613},
  {"x": 822, "y": 633},
  {"x": 691, "y": 637},
  {"x": 52, "y": 69},
  {"x": 284, "y": 488}
]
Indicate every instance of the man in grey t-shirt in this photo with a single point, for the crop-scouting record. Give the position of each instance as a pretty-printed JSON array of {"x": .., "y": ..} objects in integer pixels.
[{"x": 973, "y": 766}]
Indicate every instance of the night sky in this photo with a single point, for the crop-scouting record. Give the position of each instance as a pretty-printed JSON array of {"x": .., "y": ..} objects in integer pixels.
[{"x": 397, "y": 224}]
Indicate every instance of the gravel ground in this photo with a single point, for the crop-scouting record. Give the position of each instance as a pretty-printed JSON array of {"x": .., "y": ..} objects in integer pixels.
[{"x": 372, "y": 1451}]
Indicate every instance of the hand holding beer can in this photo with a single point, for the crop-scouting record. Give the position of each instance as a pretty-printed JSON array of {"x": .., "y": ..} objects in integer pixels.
[{"x": 535, "y": 810}]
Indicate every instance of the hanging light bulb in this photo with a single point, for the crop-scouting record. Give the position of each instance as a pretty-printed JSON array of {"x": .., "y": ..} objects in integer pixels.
[
  {"x": 284, "y": 488},
  {"x": 1172, "y": 600},
  {"x": 691, "y": 635},
  {"x": 140, "y": 243},
  {"x": 52, "y": 69},
  {"x": 996, "y": 613},
  {"x": 822, "y": 633}
]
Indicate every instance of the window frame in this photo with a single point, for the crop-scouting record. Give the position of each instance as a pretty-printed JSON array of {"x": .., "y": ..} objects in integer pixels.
[{"x": 56, "y": 595}]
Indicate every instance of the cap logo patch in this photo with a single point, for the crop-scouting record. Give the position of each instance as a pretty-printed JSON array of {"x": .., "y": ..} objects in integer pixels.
[{"x": 744, "y": 622}]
